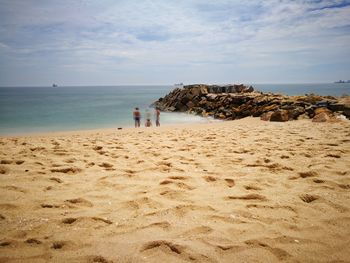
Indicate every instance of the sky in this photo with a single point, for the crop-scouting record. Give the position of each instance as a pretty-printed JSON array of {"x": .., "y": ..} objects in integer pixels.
[{"x": 150, "y": 42}]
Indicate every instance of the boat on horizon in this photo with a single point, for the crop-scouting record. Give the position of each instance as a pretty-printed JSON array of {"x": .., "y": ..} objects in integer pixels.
[
  {"x": 54, "y": 85},
  {"x": 342, "y": 81},
  {"x": 178, "y": 85}
]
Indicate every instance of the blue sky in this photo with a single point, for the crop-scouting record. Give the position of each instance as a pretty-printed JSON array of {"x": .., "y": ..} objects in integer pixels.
[{"x": 116, "y": 42}]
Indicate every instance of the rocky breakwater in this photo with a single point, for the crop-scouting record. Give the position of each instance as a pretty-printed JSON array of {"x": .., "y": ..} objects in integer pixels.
[{"x": 231, "y": 102}]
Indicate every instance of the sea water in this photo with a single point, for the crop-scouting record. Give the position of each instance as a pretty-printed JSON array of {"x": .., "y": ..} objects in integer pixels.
[{"x": 43, "y": 109}]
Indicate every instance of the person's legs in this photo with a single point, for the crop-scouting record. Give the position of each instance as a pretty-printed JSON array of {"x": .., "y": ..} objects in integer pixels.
[{"x": 137, "y": 122}]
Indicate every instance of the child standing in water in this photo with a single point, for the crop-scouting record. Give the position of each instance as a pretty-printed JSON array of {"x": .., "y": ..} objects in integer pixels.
[{"x": 148, "y": 122}]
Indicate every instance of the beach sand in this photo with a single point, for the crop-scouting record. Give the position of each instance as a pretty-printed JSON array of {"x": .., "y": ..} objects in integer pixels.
[{"x": 236, "y": 191}]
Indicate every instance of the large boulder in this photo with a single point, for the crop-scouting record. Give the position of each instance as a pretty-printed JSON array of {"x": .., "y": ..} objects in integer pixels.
[
  {"x": 181, "y": 107},
  {"x": 321, "y": 117},
  {"x": 266, "y": 116},
  {"x": 280, "y": 116},
  {"x": 259, "y": 110},
  {"x": 250, "y": 89},
  {"x": 211, "y": 97},
  {"x": 310, "y": 98},
  {"x": 303, "y": 116},
  {"x": 190, "y": 104},
  {"x": 322, "y": 109},
  {"x": 185, "y": 99},
  {"x": 295, "y": 111},
  {"x": 239, "y": 88},
  {"x": 195, "y": 91},
  {"x": 346, "y": 112}
]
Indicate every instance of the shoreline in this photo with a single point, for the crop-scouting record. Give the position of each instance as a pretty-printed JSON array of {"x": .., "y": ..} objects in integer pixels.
[
  {"x": 164, "y": 127},
  {"x": 103, "y": 130},
  {"x": 200, "y": 119}
]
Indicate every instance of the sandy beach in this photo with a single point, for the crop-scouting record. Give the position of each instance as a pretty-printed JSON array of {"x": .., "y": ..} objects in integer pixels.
[{"x": 235, "y": 191}]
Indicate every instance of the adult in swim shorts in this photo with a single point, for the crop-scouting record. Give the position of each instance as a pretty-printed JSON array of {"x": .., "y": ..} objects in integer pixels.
[{"x": 137, "y": 117}]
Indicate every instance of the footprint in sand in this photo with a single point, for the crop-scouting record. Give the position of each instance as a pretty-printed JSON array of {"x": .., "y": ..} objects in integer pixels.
[
  {"x": 252, "y": 187},
  {"x": 10, "y": 162},
  {"x": 308, "y": 198},
  {"x": 333, "y": 155},
  {"x": 7, "y": 206},
  {"x": 164, "y": 182},
  {"x": 284, "y": 157},
  {"x": 279, "y": 253},
  {"x": 80, "y": 201},
  {"x": 5, "y": 243},
  {"x": 35, "y": 149},
  {"x": 230, "y": 182},
  {"x": 344, "y": 186},
  {"x": 71, "y": 160},
  {"x": 58, "y": 180},
  {"x": 61, "y": 152},
  {"x": 201, "y": 230},
  {"x": 341, "y": 172},
  {"x": 107, "y": 166},
  {"x": 50, "y": 206},
  {"x": 178, "y": 184},
  {"x": 14, "y": 188},
  {"x": 173, "y": 249},
  {"x": 90, "y": 164},
  {"x": 308, "y": 174},
  {"x": 33, "y": 241},
  {"x": 162, "y": 243},
  {"x": 4, "y": 170},
  {"x": 67, "y": 170},
  {"x": 58, "y": 244},
  {"x": 141, "y": 203},
  {"x": 185, "y": 186},
  {"x": 97, "y": 148},
  {"x": 247, "y": 197},
  {"x": 72, "y": 220},
  {"x": 209, "y": 178},
  {"x": 69, "y": 220},
  {"x": 106, "y": 221},
  {"x": 98, "y": 259},
  {"x": 318, "y": 181},
  {"x": 172, "y": 194},
  {"x": 178, "y": 177},
  {"x": 165, "y": 225}
]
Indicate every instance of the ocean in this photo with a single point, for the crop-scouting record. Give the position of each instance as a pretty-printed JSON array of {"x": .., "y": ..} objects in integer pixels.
[{"x": 44, "y": 109}]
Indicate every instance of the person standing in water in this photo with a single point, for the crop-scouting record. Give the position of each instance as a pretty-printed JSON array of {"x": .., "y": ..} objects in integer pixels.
[
  {"x": 157, "y": 114},
  {"x": 137, "y": 117}
]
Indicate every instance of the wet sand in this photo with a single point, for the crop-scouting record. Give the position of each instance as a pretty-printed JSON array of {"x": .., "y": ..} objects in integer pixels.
[{"x": 238, "y": 191}]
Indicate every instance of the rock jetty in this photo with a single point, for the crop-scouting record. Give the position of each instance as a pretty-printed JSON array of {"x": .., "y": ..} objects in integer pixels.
[{"x": 229, "y": 102}]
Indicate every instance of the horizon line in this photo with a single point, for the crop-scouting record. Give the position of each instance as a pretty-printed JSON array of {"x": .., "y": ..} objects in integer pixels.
[{"x": 135, "y": 85}]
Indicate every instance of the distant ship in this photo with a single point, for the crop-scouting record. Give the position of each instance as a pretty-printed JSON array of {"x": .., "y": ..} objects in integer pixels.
[
  {"x": 342, "y": 81},
  {"x": 54, "y": 85},
  {"x": 179, "y": 85}
]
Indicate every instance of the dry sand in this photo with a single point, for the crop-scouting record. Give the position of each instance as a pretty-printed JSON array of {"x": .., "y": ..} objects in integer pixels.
[{"x": 239, "y": 191}]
